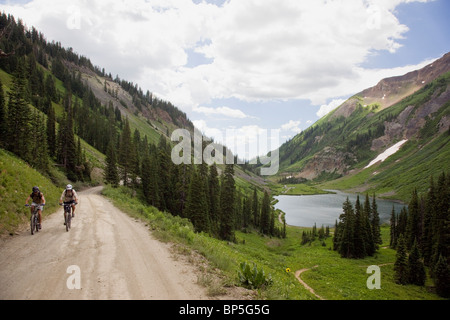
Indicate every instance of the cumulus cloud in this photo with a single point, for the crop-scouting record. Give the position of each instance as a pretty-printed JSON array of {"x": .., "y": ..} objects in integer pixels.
[
  {"x": 255, "y": 50},
  {"x": 327, "y": 108},
  {"x": 248, "y": 141},
  {"x": 292, "y": 126},
  {"x": 224, "y": 111}
]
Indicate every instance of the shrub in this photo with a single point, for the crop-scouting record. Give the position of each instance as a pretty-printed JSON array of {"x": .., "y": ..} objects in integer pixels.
[{"x": 252, "y": 277}]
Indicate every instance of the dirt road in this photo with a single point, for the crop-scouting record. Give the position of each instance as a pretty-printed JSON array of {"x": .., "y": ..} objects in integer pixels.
[{"x": 109, "y": 254}]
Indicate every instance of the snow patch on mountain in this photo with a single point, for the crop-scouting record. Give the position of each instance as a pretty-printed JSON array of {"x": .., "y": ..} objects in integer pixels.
[{"x": 387, "y": 153}]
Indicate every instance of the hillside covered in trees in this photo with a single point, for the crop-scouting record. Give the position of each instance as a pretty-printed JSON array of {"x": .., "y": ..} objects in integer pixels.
[{"x": 49, "y": 115}]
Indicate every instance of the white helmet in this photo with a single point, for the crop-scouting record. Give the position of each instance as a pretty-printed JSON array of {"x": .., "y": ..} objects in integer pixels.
[{"x": 69, "y": 187}]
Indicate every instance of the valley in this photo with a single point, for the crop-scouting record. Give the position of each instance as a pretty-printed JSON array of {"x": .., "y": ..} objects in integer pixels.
[{"x": 64, "y": 120}]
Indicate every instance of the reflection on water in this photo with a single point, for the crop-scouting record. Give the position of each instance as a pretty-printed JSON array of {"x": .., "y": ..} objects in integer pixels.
[{"x": 324, "y": 209}]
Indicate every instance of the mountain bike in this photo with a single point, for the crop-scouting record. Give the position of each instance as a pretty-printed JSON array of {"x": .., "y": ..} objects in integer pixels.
[
  {"x": 34, "y": 221},
  {"x": 68, "y": 213}
]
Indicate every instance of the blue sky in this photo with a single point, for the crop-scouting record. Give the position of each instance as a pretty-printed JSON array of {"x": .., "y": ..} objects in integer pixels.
[{"x": 248, "y": 65}]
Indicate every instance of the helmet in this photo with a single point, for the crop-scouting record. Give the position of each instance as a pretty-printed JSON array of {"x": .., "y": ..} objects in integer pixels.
[
  {"x": 35, "y": 189},
  {"x": 69, "y": 187}
]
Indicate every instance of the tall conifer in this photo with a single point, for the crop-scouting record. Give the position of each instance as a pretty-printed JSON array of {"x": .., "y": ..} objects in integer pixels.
[
  {"x": 401, "y": 262},
  {"x": 3, "y": 112},
  {"x": 416, "y": 268},
  {"x": 375, "y": 223},
  {"x": 227, "y": 204},
  {"x": 442, "y": 277},
  {"x": 346, "y": 226},
  {"x": 111, "y": 173},
  {"x": 125, "y": 154},
  {"x": 196, "y": 206},
  {"x": 18, "y": 116},
  {"x": 265, "y": 214}
]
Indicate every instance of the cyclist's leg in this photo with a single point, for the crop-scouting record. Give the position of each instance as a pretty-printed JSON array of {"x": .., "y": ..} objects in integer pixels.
[
  {"x": 40, "y": 217},
  {"x": 73, "y": 210}
]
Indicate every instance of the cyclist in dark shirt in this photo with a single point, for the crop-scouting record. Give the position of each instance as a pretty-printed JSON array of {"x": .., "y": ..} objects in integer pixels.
[{"x": 38, "y": 200}]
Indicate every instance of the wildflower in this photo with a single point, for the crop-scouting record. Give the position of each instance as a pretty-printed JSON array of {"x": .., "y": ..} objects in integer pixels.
[{"x": 288, "y": 270}]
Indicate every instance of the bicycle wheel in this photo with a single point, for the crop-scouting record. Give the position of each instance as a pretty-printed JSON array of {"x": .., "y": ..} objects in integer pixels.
[
  {"x": 69, "y": 215},
  {"x": 66, "y": 218},
  {"x": 32, "y": 224},
  {"x": 36, "y": 222}
]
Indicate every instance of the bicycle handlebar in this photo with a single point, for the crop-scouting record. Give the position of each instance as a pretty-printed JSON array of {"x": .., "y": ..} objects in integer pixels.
[
  {"x": 69, "y": 202},
  {"x": 28, "y": 205}
]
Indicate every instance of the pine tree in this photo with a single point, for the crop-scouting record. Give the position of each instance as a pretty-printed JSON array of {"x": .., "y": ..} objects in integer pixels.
[
  {"x": 247, "y": 212},
  {"x": 38, "y": 142},
  {"x": 393, "y": 229},
  {"x": 18, "y": 116},
  {"x": 441, "y": 232},
  {"x": 196, "y": 206},
  {"x": 346, "y": 227},
  {"x": 3, "y": 112},
  {"x": 442, "y": 277},
  {"x": 401, "y": 262},
  {"x": 135, "y": 161},
  {"x": 125, "y": 153},
  {"x": 227, "y": 203},
  {"x": 164, "y": 172},
  {"x": 359, "y": 243},
  {"x": 369, "y": 242},
  {"x": 402, "y": 223},
  {"x": 66, "y": 154},
  {"x": 214, "y": 198},
  {"x": 150, "y": 180},
  {"x": 412, "y": 227},
  {"x": 51, "y": 132},
  {"x": 71, "y": 150},
  {"x": 336, "y": 236},
  {"x": 428, "y": 223},
  {"x": 255, "y": 208},
  {"x": 265, "y": 214},
  {"x": 416, "y": 267},
  {"x": 111, "y": 173},
  {"x": 375, "y": 223},
  {"x": 314, "y": 232}
]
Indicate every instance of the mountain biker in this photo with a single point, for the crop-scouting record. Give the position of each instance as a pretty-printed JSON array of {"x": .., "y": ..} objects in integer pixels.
[
  {"x": 38, "y": 200},
  {"x": 69, "y": 194}
]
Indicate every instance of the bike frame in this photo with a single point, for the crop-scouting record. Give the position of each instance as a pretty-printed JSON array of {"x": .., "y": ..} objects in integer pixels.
[
  {"x": 34, "y": 220},
  {"x": 68, "y": 214}
]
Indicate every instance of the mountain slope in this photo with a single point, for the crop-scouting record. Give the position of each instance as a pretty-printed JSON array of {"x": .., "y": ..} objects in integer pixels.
[
  {"x": 414, "y": 107},
  {"x": 87, "y": 113}
]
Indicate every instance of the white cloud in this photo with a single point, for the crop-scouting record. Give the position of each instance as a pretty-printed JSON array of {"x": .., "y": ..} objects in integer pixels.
[
  {"x": 248, "y": 141},
  {"x": 257, "y": 50},
  {"x": 326, "y": 108},
  {"x": 224, "y": 111},
  {"x": 292, "y": 126}
]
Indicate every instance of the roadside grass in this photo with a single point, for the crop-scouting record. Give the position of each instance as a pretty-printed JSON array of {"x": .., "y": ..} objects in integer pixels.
[
  {"x": 334, "y": 278},
  {"x": 16, "y": 180}
]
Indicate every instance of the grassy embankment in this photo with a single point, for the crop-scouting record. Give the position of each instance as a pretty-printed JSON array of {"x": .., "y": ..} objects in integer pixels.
[{"x": 16, "y": 180}]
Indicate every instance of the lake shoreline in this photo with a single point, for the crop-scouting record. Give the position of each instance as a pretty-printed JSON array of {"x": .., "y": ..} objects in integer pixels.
[{"x": 324, "y": 209}]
